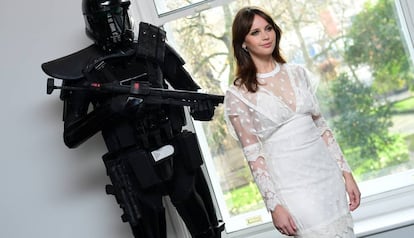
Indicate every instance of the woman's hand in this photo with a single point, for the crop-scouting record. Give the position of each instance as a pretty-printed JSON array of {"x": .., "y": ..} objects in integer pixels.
[
  {"x": 283, "y": 221},
  {"x": 353, "y": 191}
]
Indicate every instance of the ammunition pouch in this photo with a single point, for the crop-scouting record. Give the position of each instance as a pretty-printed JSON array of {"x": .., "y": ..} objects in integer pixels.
[{"x": 188, "y": 150}]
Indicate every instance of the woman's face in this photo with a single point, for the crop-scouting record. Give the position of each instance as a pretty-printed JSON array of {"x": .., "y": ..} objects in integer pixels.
[{"x": 261, "y": 39}]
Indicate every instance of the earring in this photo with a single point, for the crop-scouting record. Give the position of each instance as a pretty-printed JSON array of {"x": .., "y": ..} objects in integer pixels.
[{"x": 244, "y": 47}]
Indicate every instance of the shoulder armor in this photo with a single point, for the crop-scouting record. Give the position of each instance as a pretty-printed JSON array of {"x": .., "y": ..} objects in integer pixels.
[
  {"x": 175, "y": 72},
  {"x": 71, "y": 67}
]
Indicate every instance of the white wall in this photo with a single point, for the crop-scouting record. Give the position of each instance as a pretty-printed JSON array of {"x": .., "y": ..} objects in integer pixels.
[{"x": 47, "y": 190}]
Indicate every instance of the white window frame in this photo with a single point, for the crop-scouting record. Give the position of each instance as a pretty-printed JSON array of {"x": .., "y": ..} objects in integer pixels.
[
  {"x": 384, "y": 205},
  {"x": 147, "y": 10},
  {"x": 405, "y": 8}
]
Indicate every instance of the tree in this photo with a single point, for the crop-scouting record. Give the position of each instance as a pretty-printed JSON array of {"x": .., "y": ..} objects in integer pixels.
[
  {"x": 362, "y": 127},
  {"x": 374, "y": 39}
]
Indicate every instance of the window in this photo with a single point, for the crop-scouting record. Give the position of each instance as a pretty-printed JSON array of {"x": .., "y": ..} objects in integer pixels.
[
  {"x": 165, "y": 7},
  {"x": 366, "y": 76},
  {"x": 159, "y": 12}
]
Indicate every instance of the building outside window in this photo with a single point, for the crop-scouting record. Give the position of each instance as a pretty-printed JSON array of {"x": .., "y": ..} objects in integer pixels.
[{"x": 357, "y": 51}]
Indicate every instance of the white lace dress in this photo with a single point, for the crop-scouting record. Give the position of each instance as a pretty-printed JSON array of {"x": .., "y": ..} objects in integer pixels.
[{"x": 292, "y": 153}]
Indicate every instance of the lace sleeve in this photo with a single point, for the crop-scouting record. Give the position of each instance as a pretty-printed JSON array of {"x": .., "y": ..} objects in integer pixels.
[
  {"x": 239, "y": 122},
  {"x": 331, "y": 143},
  {"x": 325, "y": 131}
]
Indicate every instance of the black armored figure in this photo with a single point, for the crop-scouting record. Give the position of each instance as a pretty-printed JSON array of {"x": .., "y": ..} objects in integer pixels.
[{"x": 134, "y": 92}]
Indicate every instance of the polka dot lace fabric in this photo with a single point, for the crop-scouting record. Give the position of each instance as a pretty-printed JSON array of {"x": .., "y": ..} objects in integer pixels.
[{"x": 289, "y": 146}]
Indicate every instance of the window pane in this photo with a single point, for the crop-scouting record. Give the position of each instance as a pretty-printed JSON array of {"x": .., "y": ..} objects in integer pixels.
[
  {"x": 354, "y": 48},
  {"x": 167, "y": 6}
]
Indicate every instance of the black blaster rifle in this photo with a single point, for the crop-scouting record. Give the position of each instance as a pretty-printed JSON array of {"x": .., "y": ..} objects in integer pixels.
[{"x": 143, "y": 91}]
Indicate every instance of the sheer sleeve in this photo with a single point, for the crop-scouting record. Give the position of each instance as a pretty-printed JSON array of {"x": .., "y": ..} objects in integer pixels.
[
  {"x": 241, "y": 125},
  {"x": 326, "y": 132},
  {"x": 331, "y": 143}
]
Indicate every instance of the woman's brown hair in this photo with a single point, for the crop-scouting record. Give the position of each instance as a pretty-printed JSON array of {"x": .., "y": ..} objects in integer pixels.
[{"x": 245, "y": 68}]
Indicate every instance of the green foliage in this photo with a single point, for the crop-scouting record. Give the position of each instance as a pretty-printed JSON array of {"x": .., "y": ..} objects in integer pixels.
[
  {"x": 410, "y": 142},
  {"x": 362, "y": 127},
  {"x": 374, "y": 39},
  {"x": 243, "y": 199},
  {"x": 406, "y": 105}
]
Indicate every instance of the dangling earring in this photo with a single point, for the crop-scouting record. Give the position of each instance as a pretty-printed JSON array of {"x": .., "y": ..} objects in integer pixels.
[{"x": 244, "y": 47}]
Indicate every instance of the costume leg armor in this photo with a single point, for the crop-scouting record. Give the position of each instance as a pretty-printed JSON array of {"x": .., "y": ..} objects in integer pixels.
[
  {"x": 188, "y": 189},
  {"x": 142, "y": 208},
  {"x": 204, "y": 191}
]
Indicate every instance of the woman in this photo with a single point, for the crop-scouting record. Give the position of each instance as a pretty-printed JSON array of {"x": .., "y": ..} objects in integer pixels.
[{"x": 296, "y": 163}]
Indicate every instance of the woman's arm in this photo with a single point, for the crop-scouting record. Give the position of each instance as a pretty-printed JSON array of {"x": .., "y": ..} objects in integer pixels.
[
  {"x": 239, "y": 121},
  {"x": 350, "y": 184}
]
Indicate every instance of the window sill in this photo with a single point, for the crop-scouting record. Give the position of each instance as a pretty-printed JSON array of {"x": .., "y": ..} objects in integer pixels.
[
  {"x": 386, "y": 210},
  {"x": 384, "y": 207},
  {"x": 385, "y": 222}
]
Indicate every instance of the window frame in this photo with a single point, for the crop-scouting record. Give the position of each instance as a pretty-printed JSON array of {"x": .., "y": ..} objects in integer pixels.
[
  {"x": 148, "y": 10},
  {"x": 405, "y": 10},
  {"x": 384, "y": 206}
]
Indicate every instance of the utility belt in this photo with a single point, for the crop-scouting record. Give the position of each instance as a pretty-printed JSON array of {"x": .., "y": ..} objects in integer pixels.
[
  {"x": 153, "y": 167},
  {"x": 151, "y": 138}
]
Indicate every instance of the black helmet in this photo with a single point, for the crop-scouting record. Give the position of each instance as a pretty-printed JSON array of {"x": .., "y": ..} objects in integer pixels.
[{"x": 107, "y": 22}]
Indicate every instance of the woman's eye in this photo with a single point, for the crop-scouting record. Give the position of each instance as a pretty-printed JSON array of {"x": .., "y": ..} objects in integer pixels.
[
  {"x": 254, "y": 33},
  {"x": 269, "y": 28}
]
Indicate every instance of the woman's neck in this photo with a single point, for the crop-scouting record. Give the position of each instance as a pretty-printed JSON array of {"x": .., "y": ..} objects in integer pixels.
[{"x": 264, "y": 65}]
